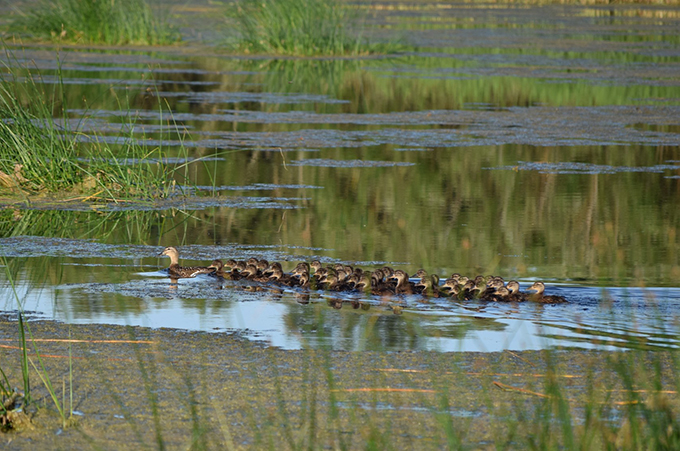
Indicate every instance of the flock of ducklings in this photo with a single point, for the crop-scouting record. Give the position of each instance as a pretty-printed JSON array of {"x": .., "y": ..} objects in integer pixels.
[{"x": 382, "y": 282}]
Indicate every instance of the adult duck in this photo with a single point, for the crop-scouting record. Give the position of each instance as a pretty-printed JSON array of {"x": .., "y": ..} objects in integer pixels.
[{"x": 175, "y": 271}]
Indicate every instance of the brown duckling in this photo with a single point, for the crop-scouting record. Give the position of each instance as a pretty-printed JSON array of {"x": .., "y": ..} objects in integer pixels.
[
  {"x": 539, "y": 288},
  {"x": 468, "y": 291},
  {"x": 302, "y": 267},
  {"x": 316, "y": 265},
  {"x": 280, "y": 277},
  {"x": 430, "y": 286},
  {"x": 332, "y": 283},
  {"x": 500, "y": 295},
  {"x": 490, "y": 288},
  {"x": 262, "y": 265},
  {"x": 420, "y": 274},
  {"x": 364, "y": 282},
  {"x": 250, "y": 272},
  {"x": 175, "y": 271},
  {"x": 304, "y": 281},
  {"x": 515, "y": 295},
  {"x": 404, "y": 286},
  {"x": 320, "y": 273}
]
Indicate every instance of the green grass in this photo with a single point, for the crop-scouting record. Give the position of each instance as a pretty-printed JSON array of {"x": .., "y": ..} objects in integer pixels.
[
  {"x": 302, "y": 28},
  {"x": 111, "y": 22},
  {"x": 43, "y": 155}
]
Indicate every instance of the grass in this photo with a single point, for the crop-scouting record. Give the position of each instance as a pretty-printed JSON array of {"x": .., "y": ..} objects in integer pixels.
[
  {"x": 10, "y": 398},
  {"x": 111, "y": 22},
  {"x": 302, "y": 28},
  {"x": 43, "y": 155}
]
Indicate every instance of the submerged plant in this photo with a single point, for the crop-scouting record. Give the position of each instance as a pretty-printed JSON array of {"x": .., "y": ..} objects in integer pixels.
[
  {"x": 114, "y": 22},
  {"x": 301, "y": 27}
]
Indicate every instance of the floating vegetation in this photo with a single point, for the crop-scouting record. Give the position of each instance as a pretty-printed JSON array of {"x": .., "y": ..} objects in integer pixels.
[
  {"x": 302, "y": 27},
  {"x": 328, "y": 163},
  {"x": 116, "y": 22},
  {"x": 568, "y": 167}
]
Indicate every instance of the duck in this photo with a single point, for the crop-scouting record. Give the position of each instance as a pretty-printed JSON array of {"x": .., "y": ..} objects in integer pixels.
[
  {"x": 500, "y": 295},
  {"x": 278, "y": 276},
  {"x": 404, "y": 286},
  {"x": 490, "y": 288},
  {"x": 515, "y": 295},
  {"x": 175, "y": 271},
  {"x": 430, "y": 286},
  {"x": 420, "y": 274},
  {"x": 333, "y": 284},
  {"x": 539, "y": 288}
]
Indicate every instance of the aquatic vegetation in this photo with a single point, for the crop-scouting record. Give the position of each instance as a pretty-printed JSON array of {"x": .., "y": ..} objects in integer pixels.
[
  {"x": 40, "y": 154},
  {"x": 303, "y": 28},
  {"x": 116, "y": 22}
]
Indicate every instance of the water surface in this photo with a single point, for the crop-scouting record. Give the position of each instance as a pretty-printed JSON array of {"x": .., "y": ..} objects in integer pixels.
[{"x": 538, "y": 143}]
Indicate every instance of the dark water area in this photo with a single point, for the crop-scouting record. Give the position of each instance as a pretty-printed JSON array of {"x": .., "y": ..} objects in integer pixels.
[{"x": 538, "y": 143}]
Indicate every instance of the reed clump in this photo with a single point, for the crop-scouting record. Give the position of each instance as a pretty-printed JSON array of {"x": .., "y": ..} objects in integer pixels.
[
  {"x": 302, "y": 28},
  {"x": 114, "y": 22},
  {"x": 44, "y": 155}
]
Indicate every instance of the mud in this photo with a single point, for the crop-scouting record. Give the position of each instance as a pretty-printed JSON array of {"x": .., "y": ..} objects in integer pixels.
[{"x": 135, "y": 387}]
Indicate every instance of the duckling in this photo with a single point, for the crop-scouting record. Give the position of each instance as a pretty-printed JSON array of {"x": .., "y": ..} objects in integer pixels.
[
  {"x": 316, "y": 265},
  {"x": 249, "y": 272},
  {"x": 404, "y": 286},
  {"x": 490, "y": 288},
  {"x": 262, "y": 265},
  {"x": 451, "y": 284},
  {"x": 467, "y": 292},
  {"x": 333, "y": 284},
  {"x": 378, "y": 286},
  {"x": 279, "y": 277},
  {"x": 420, "y": 274},
  {"x": 364, "y": 282},
  {"x": 539, "y": 288},
  {"x": 175, "y": 271},
  {"x": 302, "y": 267},
  {"x": 430, "y": 286},
  {"x": 515, "y": 295},
  {"x": 500, "y": 295},
  {"x": 388, "y": 272},
  {"x": 304, "y": 280},
  {"x": 271, "y": 268}
]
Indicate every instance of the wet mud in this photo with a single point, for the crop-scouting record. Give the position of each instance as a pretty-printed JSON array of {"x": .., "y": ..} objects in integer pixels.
[{"x": 137, "y": 387}]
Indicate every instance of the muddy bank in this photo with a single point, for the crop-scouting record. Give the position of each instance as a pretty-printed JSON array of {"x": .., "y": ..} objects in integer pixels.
[{"x": 137, "y": 387}]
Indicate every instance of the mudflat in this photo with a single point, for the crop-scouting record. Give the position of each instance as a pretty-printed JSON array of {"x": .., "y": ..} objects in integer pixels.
[{"x": 137, "y": 387}]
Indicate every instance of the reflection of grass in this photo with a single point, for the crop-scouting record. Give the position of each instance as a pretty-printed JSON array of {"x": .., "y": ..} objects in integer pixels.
[
  {"x": 97, "y": 22},
  {"x": 301, "y": 27}
]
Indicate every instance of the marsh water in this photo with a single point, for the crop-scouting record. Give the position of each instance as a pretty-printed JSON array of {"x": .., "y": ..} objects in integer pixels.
[{"x": 535, "y": 143}]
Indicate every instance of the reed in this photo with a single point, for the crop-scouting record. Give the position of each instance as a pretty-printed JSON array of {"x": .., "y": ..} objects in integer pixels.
[
  {"x": 116, "y": 22},
  {"x": 302, "y": 28},
  {"x": 41, "y": 154}
]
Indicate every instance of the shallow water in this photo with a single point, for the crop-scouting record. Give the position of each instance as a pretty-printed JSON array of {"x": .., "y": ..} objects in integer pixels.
[{"x": 534, "y": 143}]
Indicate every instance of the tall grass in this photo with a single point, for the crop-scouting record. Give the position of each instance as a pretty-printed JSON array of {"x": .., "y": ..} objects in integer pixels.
[
  {"x": 301, "y": 27},
  {"x": 41, "y": 154},
  {"x": 112, "y": 22}
]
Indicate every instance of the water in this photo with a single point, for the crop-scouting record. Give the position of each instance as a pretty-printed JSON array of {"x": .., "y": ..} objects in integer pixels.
[{"x": 538, "y": 143}]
